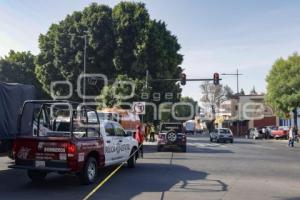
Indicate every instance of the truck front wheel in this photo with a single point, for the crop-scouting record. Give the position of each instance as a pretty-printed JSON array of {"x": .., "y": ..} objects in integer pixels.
[
  {"x": 36, "y": 176},
  {"x": 89, "y": 172}
]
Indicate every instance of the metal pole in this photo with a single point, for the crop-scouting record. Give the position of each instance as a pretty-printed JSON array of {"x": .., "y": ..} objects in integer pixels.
[
  {"x": 237, "y": 80},
  {"x": 147, "y": 74},
  {"x": 84, "y": 69},
  {"x": 238, "y": 111}
]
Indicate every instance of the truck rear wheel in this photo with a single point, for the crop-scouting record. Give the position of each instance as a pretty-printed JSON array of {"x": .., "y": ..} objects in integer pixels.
[
  {"x": 132, "y": 160},
  {"x": 36, "y": 176},
  {"x": 89, "y": 172}
]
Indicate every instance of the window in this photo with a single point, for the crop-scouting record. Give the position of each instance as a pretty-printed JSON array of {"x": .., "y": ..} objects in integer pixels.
[
  {"x": 109, "y": 129},
  {"x": 119, "y": 131}
]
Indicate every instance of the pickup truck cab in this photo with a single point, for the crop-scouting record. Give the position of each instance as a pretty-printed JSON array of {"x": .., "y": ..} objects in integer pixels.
[{"x": 78, "y": 144}]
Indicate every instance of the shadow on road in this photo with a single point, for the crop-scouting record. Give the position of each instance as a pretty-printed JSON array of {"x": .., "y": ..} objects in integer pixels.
[
  {"x": 159, "y": 178},
  {"x": 126, "y": 184}
]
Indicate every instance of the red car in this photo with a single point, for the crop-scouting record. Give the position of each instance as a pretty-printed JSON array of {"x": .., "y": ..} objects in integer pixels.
[
  {"x": 281, "y": 132},
  {"x": 79, "y": 144}
]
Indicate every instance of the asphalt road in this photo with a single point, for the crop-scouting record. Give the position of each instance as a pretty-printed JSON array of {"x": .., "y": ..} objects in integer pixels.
[{"x": 247, "y": 169}]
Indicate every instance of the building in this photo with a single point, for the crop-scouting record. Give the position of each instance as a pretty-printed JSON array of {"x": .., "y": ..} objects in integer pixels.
[{"x": 245, "y": 111}]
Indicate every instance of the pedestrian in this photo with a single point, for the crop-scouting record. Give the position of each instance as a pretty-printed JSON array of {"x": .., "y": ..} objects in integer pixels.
[
  {"x": 152, "y": 132},
  {"x": 291, "y": 137},
  {"x": 147, "y": 131},
  {"x": 140, "y": 139},
  {"x": 264, "y": 132},
  {"x": 296, "y": 134}
]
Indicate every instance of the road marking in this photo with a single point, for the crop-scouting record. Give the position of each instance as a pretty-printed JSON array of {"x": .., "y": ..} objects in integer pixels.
[
  {"x": 103, "y": 182},
  {"x": 205, "y": 145},
  {"x": 109, "y": 176}
]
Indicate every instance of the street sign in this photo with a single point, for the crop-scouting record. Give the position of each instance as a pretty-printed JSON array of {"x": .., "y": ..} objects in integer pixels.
[{"x": 139, "y": 108}]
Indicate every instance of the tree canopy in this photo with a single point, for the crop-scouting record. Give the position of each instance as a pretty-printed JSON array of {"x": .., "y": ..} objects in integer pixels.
[
  {"x": 283, "y": 85},
  {"x": 120, "y": 40},
  {"x": 18, "y": 67}
]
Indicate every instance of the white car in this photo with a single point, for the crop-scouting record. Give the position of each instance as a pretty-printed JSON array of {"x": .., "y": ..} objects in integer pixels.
[{"x": 221, "y": 135}]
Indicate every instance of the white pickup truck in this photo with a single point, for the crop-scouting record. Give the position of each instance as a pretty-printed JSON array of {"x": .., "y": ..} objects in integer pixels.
[{"x": 77, "y": 146}]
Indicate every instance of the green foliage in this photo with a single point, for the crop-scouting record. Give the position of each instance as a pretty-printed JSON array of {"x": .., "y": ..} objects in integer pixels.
[
  {"x": 62, "y": 47},
  {"x": 131, "y": 25},
  {"x": 122, "y": 40},
  {"x": 120, "y": 92},
  {"x": 283, "y": 85},
  {"x": 228, "y": 92},
  {"x": 185, "y": 110},
  {"x": 18, "y": 67},
  {"x": 253, "y": 91},
  {"x": 242, "y": 92}
]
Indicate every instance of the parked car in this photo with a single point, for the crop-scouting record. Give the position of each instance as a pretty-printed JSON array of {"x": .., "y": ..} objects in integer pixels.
[
  {"x": 256, "y": 133},
  {"x": 269, "y": 131},
  {"x": 281, "y": 132},
  {"x": 171, "y": 135},
  {"x": 78, "y": 146},
  {"x": 221, "y": 135}
]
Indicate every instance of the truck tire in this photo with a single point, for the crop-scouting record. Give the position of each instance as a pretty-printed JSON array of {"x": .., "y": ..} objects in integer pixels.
[
  {"x": 132, "y": 160},
  {"x": 89, "y": 172},
  {"x": 171, "y": 136},
  {"x": 36, "y": 176}
]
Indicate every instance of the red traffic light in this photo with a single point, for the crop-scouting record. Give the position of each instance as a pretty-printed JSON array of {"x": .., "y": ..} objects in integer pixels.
[
  {"x": 216, "y": 78},
  {"x": 182, "y": 78}
]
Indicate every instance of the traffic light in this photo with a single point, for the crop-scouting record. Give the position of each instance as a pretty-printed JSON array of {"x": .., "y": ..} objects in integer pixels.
[
  {"x": 182, "y": 79},
  {"x": 216, "y": 78}
]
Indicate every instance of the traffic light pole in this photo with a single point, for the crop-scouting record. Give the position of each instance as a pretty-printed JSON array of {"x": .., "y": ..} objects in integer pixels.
[
  {"x": 237, "y": 92},
  {"x": 188, "y": 79}
]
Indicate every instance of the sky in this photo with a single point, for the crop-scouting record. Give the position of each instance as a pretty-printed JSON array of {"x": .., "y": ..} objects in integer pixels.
[{"x": 215, "y": 35}]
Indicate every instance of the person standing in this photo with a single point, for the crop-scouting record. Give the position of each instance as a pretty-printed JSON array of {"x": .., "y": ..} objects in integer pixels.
[
  {"x": 140, "y": 139},
  {"x": 152, "y": 132},
  {"x": 291, "y": 137},
  {"x": 147, "y": 131},
  {"x": 264, "y": 132}
]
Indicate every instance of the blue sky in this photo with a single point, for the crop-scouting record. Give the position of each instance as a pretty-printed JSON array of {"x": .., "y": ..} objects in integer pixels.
[{"x": 215, "y": 35}]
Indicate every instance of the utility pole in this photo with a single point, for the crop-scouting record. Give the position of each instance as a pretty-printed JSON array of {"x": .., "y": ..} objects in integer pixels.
[
  {"x": 84, "y": 69},
  {"x": 84, "y": 61},
  {"x": 147, "y": 74},
  {"x": 237, "y": 92}
]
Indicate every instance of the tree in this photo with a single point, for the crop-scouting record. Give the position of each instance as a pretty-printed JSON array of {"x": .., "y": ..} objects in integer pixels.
[
  {"x": 122, "y": 40},
  {"x": 283, "y": 86},
  {"x": 130, "y": 25},
  {"x": 228, "y": 92},
  {"x": 185, "y": 110},
  {"x": 212, "y": 95},
  {"x": 18, "y": 67},
  {"x": 62, "y": 47},
  {"x": 119, "y": 94},
  {"x": 253, "y": 91},
  {"x": 242, "y": 92}
]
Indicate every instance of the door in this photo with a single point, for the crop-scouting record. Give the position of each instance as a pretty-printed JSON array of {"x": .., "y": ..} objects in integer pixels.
[
  {"x": 123, "y": 142},
  {"x": 109, "y": 143}
]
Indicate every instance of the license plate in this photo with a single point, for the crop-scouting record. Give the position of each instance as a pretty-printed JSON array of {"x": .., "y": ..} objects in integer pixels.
[{"x": 39, "y": 163}]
